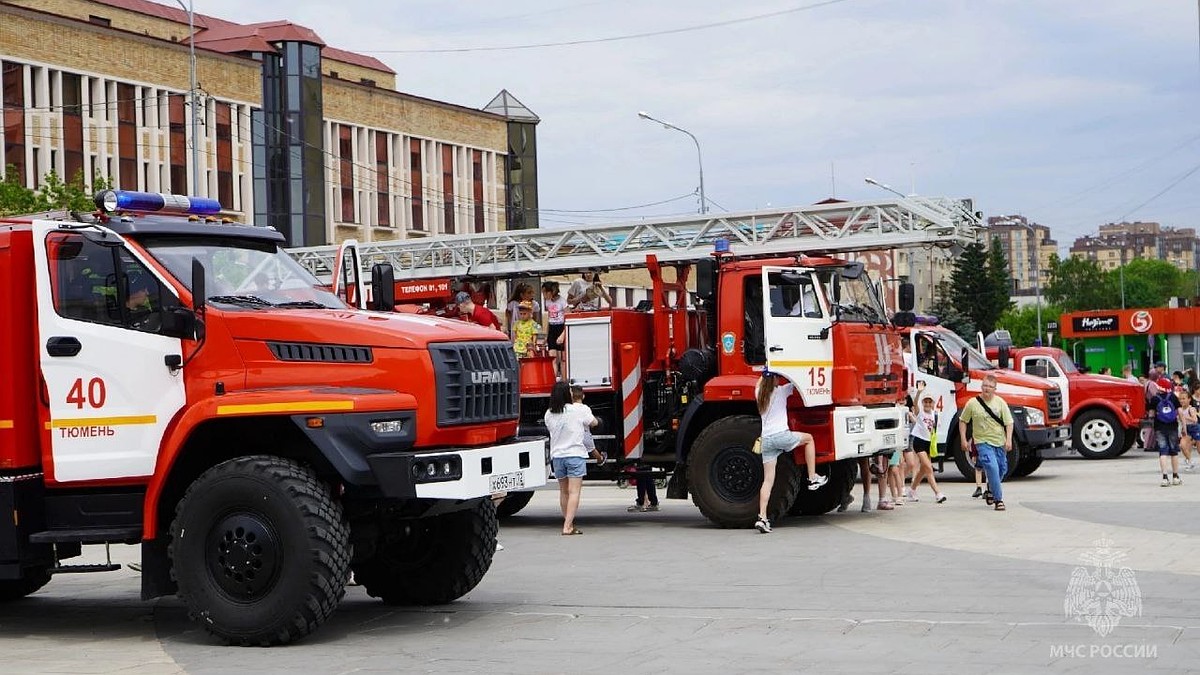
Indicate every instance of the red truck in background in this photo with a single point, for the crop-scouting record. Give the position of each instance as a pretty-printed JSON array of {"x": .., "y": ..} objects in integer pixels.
[
  {"x": 953, "y": 373},
  {"x": 1104, "y": 411}
]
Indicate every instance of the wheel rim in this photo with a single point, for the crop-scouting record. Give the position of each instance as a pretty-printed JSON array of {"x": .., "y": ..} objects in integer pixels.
[
  {"x": 736, "y": 474},
  {"x": 1096, "y": 435},
  {"x": 243, "y": 556}
]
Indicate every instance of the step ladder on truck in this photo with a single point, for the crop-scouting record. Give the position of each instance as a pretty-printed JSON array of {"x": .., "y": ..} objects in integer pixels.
[
  {"x": 673, "y": 380},
  {"x": 177, "y": 381}
]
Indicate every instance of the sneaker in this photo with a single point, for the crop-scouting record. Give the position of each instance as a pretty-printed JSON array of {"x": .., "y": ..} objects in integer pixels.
[
  {"x": 817, "y": 481},
  {"x": 912, "y": 496},
  {"x": 940, "y": 498},
  {"x": 763, "y": 525},
  {"x": 908, "y": 493},
  {"x": 847, "y": 499},
  {"x": 1176, "y": 480},
  {"x": 886, "y": 505},
  {"x": 978, "y": 493},
  {"x": 499, "y": 547},
  {"x": 635, "y": 508},
  {"x": 649, "y": 507},
  {"x": 866, "y": 507},
  {"x": 1166, "y": 482},
  {"x": 1189, "y": 467}
]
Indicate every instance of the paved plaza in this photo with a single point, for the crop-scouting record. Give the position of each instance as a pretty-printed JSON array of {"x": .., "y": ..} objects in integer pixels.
[{"x": 927, "y": 588}]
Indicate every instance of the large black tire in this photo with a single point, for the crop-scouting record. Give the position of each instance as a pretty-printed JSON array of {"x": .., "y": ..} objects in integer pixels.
[
  {"x": 830, "y": 495},
  {"x": 725, "y": 475},
  {"x": 1096, "y": 434},
  {"x": 260, "y": 550},
  {"x": 1131, "y": 438},
  {"x": 432, "y": 561},
  {"x": 15, "y": 589},
  {"x": 513, "y": 503},
  {"x": 1027, "y": 466}
]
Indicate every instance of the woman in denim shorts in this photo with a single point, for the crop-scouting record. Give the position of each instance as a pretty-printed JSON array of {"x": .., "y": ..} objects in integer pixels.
[
  {"x": 771, "y": 394},
  {"x": 568, "y": 454}
]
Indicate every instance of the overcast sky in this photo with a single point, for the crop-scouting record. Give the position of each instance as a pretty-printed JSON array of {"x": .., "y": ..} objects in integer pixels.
[{"x": 1071, "y": 112}]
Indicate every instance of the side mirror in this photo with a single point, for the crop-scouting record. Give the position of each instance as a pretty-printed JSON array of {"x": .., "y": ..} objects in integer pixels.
[
  {"x": 383, "y": 287},
  {"x": 837, "y": 288},
  {"x": 908, "y": 297},
  {"x": 706, "y": 278},
  {"x": 1003, "y": 356},
  {"x": 904, "y": 319},
  {"x": 966, "y": 369},
  {"x": 199, "y": 294},
  {"x": 180, "y": 322}
]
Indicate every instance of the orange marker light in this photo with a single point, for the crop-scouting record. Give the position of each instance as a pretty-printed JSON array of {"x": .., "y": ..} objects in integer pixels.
[{"x": 315, "y": 422}]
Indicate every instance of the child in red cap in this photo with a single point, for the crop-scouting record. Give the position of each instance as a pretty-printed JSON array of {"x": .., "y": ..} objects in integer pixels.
[{"x": 1166, "y": 431}]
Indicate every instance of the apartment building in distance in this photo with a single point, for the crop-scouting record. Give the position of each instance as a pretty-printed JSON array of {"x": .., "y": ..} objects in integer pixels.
[
  {"x": 1116, "y": 244},
  {"x": 1027, "y": 247},
  {"x": 293, "y": 133}
]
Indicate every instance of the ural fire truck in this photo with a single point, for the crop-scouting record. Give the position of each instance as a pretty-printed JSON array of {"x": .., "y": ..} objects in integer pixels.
[
  {"x": 953, "y": 373},
  {"x": 180, "y": 382},
  {"x": 673, "y": 383}
]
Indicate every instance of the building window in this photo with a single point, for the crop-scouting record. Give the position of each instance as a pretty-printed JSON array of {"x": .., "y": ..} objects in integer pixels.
[
  {"x": 12, "y": 76},
  {"x": 346, "y": 156},
  {"x": 477, "y": 188},
  {"x": 99, "y": 20},
  {"x": 448, "y": 189},
  {"x": 178, "y": 144},
  {"x": 224, "y": 115},
  {"x": 415, "y": 172},
  {"x": 369, "y": 83},
  {"x": 127, "y": 136},
  {"x": 382, "y": 180}
]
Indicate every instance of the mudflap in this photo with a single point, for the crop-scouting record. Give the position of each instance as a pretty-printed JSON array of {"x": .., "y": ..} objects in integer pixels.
[{"x": 677, "y": 486}]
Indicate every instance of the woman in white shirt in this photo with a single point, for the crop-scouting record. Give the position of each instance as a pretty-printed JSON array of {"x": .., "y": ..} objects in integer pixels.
[
  {"x": 778, "y": 438},
  {"x": 568, "y": 454}
]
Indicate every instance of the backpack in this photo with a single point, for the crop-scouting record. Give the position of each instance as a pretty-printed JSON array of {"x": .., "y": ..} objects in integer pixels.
[{"x": 1164, "y": 410}]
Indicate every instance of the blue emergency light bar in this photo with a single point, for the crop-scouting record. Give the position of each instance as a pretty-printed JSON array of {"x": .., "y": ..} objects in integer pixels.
[{"x": 125, "y": 200}]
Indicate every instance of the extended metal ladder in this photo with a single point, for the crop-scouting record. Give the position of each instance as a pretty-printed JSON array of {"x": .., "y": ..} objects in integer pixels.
[{"x": 827, "y": 228}]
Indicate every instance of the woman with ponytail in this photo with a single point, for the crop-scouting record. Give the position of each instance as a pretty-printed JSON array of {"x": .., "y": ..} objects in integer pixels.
[{"x": 777, "y": 438}]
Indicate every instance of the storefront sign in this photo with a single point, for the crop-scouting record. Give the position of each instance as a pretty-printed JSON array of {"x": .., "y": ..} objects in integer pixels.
[
  {"x": 1094, "y": 324},
  {"x": 1141, "y": 321}
]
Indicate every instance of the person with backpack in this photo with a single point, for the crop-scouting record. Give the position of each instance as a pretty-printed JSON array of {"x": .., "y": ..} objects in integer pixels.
[
  {"x": 992, "y": 427},
  {"x": 1166, "y": 431}
]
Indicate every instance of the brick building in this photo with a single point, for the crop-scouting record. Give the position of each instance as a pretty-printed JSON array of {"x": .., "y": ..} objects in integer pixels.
[
  {"x": 293, "y": 133},
  {"x": 1027, "y": 247}
]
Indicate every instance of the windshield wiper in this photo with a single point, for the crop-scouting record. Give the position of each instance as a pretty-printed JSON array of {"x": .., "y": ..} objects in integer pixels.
[
  {"x": 302, "y": 304},
  {"x": 251, "y": 300}
]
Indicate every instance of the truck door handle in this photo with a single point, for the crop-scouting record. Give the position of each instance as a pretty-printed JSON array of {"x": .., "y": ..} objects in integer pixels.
[
  {"x": 61, "y": 345},
  {"x": 776, "y": 349}
]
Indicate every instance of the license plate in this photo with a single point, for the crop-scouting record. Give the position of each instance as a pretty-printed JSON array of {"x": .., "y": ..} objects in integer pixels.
[
  {"x": 507, "y": 481},
  {"x": 889, "y": 439}
]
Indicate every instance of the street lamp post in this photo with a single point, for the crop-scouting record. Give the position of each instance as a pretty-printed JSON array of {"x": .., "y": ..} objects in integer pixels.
[
  {"x": 1037, "y": 278},
  {"x": 667, "y": 125},
  {"x": 885, "y": 186},
  {"x": 192, "y": 94}
]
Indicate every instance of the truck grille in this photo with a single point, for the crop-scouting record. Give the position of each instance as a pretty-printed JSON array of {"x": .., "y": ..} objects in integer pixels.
[
  {"x": 1054, "y": 405},
  {"x": 476, "y": 382}
]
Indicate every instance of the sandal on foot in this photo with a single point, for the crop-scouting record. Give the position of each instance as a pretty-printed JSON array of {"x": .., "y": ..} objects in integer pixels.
[
  {"x": 574, "y": 530},
  {"x": 1000, "y": 506}
]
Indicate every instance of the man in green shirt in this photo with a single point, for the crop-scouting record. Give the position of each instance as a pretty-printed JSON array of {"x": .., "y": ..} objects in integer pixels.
[{"x": 992, "y": 428}]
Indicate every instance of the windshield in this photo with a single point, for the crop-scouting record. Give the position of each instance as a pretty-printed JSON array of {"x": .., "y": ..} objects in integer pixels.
[
  {"x": 953, "y": 344},
  {"x": 242, "y": 272},
  {"x": 858, "y": 302},
  {"x": 1067, "y": 365}
]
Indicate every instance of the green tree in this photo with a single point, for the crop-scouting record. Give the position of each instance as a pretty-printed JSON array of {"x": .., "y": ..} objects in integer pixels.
[
  {"x": 980, "y": 284},
  {"x": 1077, "y": 284},
  {"x": 945, "y": 308},
  {"x": 1021, "y": 322},
  {"x": 53, "y": 194},
  {"x": 1149, "y": 283}
]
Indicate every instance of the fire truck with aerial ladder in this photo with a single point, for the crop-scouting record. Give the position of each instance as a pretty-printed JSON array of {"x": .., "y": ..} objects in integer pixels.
[
  {"x": 673, "y": 382},
  {"x": 178, "y": 381}
]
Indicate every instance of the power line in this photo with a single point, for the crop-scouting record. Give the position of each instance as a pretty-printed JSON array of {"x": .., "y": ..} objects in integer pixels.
[
  {"x": 614, "y": 38},
  {"x": 1161, "y": 192}
]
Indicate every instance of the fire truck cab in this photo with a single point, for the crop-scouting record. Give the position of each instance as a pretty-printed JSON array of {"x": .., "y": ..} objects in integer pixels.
[{"x": 180, "y": 382}]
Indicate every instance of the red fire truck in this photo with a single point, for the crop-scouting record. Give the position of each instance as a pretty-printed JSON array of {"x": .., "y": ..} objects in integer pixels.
[
  {"x": 180, "y": 382},
  {"x": 673, "y": 381}
]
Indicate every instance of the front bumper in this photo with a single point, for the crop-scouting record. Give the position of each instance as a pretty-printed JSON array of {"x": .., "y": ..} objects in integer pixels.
[
  {"x": 882, "y": 430},
  {"x": 1042, "y": 439},
  {"x": 474, "y": 472}
]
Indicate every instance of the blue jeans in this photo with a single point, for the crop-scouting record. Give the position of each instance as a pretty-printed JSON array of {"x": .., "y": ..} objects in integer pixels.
[{"x": 994, "y": 462}]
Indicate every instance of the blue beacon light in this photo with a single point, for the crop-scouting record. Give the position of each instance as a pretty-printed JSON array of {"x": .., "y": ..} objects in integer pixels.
[
  {"x": 721, "y": 245},
  {"x": 124, "y": 200}
]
